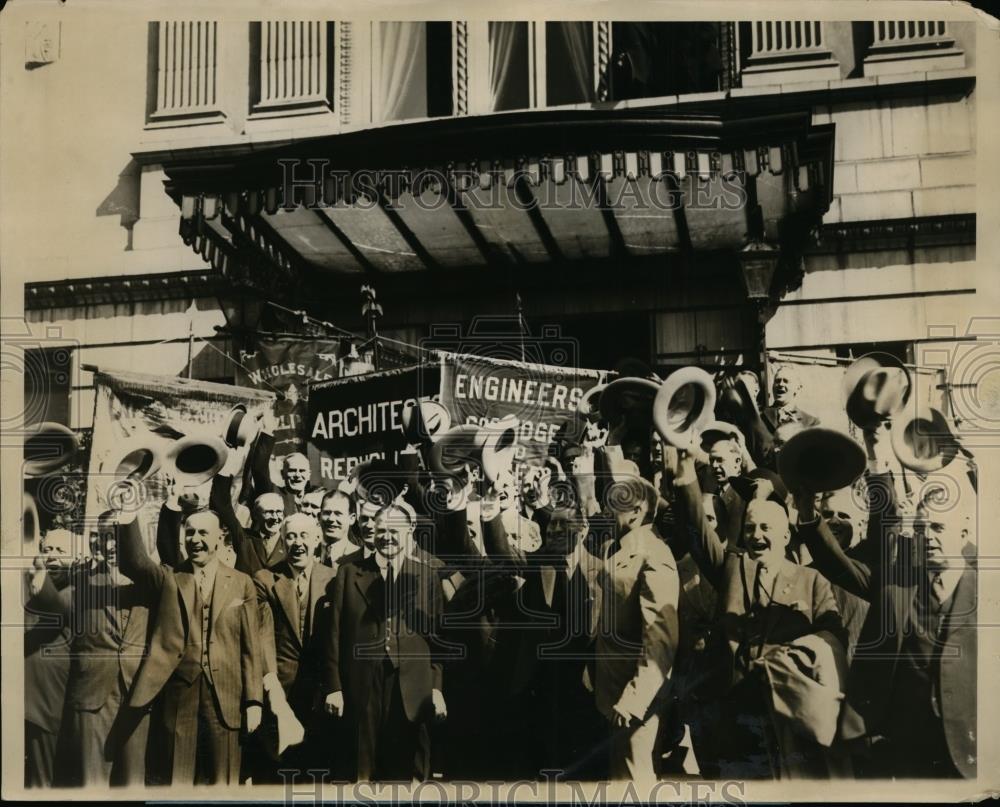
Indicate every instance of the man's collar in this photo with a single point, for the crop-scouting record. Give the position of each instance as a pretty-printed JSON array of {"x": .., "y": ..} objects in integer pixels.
[
  {"x": 949, "y": 579},
  {"x": 210, "y": 568},
  {"x": 383, "y": 562}
]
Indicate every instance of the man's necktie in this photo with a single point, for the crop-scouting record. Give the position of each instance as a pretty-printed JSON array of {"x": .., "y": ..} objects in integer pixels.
[
  {"x": 203, "y": 584},
  {"x": 762, "y": 594},
  {"x": 301, "y": 587}
]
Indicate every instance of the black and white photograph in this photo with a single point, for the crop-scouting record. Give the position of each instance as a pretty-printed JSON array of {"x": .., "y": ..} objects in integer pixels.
[{"x": 531, "y": 403}]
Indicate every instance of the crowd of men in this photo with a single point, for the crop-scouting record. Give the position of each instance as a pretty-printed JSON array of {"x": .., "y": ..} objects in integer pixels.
[{"x": 624, "y": 608}]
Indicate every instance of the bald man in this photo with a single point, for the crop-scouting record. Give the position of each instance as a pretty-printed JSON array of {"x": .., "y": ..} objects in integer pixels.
[
  {"x": 294, "y": 597},
  {"x": 766, "y": 602}
]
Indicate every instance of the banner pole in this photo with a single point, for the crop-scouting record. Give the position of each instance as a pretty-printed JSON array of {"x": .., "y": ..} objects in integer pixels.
[{"x": 190, "y": 346}]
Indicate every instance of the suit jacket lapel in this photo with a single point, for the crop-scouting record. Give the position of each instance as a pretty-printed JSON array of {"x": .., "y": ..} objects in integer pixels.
[
  {"x": 186, "y": 588},
  {"x": 367, "y": 576},
  {"x": 278, "y": 554},
  {"x": 221, "y": 591},
  {"x": 963, "y": 602}
]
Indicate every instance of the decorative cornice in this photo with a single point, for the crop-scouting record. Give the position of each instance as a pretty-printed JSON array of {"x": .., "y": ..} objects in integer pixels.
[
  {"x": 129, "y": 288},
  {"x": 909, "y": 233}
]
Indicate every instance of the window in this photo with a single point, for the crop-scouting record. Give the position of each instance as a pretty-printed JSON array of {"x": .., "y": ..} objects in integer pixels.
[
  {"x": 569, "y": 62},
  {"x": 411, "y": 70},
  {"x": 531, "y": 66},
  {"x": 651, "y": 59},
  {"x": 510, "y": 59}
]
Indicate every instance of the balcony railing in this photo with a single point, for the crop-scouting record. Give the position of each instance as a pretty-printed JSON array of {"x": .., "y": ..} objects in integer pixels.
[
  {"x": 910, "y": 46},
  {"x": 891, "y": 32},
  {"x": 774, "y": 38},
  {"x": 788, "y": 50}
]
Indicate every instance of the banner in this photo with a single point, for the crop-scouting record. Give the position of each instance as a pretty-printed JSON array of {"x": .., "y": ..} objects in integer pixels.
[
  {"x": 351, "y": 420},
  {"x": 289, "y": 366},
  {"x": 477, "y": 389},
  {"x": 134, "y": 409}
]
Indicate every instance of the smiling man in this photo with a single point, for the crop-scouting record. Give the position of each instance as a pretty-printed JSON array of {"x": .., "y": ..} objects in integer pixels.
[
  {"x": 261, "y": 546},
  {"x": 383, "y": 670},
  {"x": 204, "y": 660},
  {"x": 336, "y": 518},
  {"x": 767, "y": 602},
  {"x": 785, "y": 389},
  {"x": 294, "y": 598}
]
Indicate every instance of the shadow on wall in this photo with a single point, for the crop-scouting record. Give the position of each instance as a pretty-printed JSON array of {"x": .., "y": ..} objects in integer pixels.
[{"x": 123, "y": 200}]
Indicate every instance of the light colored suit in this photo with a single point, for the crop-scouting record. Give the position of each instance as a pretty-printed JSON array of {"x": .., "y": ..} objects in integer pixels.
[
  {"x": 233, "y": 672},
  {"x": 637, "y": 638}
]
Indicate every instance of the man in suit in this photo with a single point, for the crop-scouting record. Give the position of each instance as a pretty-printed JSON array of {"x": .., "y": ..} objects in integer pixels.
[
  {"x": 383, "y": 673},
  {"x": 638, "y": 632},
  {"x": 911, "y": 695},
  {"x": 294, "y": 598},
  {"x": 337, "y": 517},
  {"x": 295, "y": 472},
  {"x": 785, "y": 390},
  {"x": 261, "y": 546},
  {"x": 727, "y": 461},
  {"x": 204, "y": 658},
  {"x": 766, "y": 601},
  {"x": 46, "y": 660},
  {"x": 107, "y": 734}
]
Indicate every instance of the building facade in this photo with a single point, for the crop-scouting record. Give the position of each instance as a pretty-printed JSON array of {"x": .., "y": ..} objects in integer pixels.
[{"x": 171, "y": 220}]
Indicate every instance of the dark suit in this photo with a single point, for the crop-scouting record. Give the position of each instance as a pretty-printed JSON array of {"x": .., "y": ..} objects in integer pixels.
[
  {"x": 802, "y": 602},
  {"x": 293, "y": 649},
  {"x": 772, "y": 416},
  {"x": 110, "y": 636},
  {"x": 382, "y": 653},
  {"x": 203, "y": 694},
  {"x": 883, "y": 571},
  {"x": 252, "y": 555},
  {"x": 46, "y": 668}
]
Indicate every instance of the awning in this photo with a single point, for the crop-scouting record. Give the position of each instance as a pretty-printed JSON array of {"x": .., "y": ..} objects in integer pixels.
[{"x": 525, "y": 189}]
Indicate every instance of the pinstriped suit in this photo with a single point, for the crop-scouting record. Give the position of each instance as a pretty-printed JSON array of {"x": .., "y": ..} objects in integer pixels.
[
  {"x": 109, "y": 638},
  {"x": 203, "y": 694}
]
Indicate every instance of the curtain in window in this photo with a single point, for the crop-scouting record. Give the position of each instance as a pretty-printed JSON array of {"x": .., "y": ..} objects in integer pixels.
[
  {"x": 569, "y": 62},
  {"x": 509, "y": 65},
  {"x": 402, "y": 78}
]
